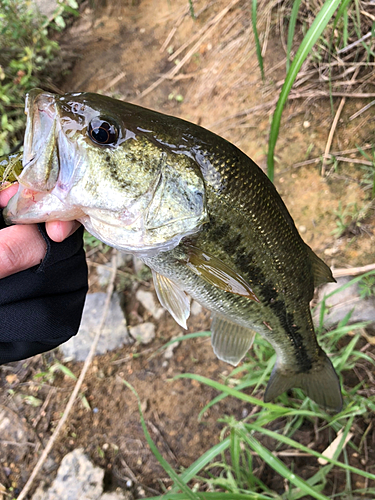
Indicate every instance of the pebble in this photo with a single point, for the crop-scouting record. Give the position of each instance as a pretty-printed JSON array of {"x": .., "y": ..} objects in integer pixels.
[
  {"x": 77, "y": 478},
  {"x": 168, "y": 353},
  {"x": 148, "y": 302},
  {"x": 114, "y": 333},
  {"x": 143, "y": 333},
  {"x": 195, "y": 308}
]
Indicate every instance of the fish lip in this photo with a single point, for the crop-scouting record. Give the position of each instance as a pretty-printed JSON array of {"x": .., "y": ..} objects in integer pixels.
[{"x": 41, "y": 111}]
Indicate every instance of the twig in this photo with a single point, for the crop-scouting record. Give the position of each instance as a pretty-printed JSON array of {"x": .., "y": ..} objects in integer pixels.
[
  {"x": 45, "y": 404},
  {"x": 352, "y": 271},
  {"x": 354, "y": 44},
  {"x": 114, "y": 80},
  {"x": 362, "y": 110},
  {"x": 297, "y": 95},
  {"x": 193, "y": 50},
  {"x": 76, "y": 390},
  {"x": 326, "y": 155}
]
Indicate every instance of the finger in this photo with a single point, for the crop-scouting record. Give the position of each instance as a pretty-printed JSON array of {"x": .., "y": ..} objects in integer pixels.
[
  {"x": 21, "y": 247},
  {"x": 6, "y": 194},
  {"x": 60, "y": 230}
]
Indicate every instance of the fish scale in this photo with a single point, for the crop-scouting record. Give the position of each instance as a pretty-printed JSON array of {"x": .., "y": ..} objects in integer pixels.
[{"x": 199, "y": 212}]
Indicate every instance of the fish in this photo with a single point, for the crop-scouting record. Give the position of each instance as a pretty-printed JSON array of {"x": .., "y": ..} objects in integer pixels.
[
  {"x": 197, "y": 210},
  {"x": 10, "y": 168}
]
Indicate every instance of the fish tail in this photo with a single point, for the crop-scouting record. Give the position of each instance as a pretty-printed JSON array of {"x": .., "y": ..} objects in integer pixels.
[{"x": 321, "y": 384}]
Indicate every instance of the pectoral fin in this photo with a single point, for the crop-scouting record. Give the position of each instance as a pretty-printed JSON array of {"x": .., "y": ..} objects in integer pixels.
[
  {"x": 217, "y": 273},
  {"x": 172, "y": 298},
  {"x": 230, "y": 342}
]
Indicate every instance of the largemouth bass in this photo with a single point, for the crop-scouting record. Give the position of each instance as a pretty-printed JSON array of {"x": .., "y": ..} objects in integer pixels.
[{"x": 200, "y": 213}]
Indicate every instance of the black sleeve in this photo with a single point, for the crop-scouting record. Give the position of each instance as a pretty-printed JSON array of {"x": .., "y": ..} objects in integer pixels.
[{"x": 41, "y": 307}]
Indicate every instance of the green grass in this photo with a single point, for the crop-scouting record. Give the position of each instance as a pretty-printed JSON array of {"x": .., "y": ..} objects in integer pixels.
[
  {"x": 28, "y": 57},
  {"x": 229, "y": 468},
  {"x": 313, "y": 34}
]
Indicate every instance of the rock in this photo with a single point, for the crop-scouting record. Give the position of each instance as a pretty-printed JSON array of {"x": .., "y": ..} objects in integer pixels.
[
  {"x": 15, "y": 436},
  {"x": 104, "y": 272},
  {"x": 195, "y": 308},
  {"x": 46, "y": 7},
  {"x": 76, "y": 478},
  {"x": 138, "y": 265},
  {"x": 144, "y": 333},
  {"x": 341, "y": 303},
  {"x": 168, "y": 353},
  {"x": 114, "y": 333},
  {"x": 118, "y": 495},
  {"x": 148, "y": 302}
]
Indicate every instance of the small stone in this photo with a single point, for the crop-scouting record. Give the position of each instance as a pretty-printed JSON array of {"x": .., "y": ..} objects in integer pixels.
[
  {"x": 148, "y": 302},
  {"x": 168, "y": 354},
  {"x": 195, "y": 308},
  {"x": 143, "y": 333},
  {"x": 114, "y": 333},
  {"x": 76, "y": 478}
]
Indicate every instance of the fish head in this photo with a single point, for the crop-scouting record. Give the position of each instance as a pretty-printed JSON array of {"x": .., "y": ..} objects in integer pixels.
[{"x": 89, "y": 157}]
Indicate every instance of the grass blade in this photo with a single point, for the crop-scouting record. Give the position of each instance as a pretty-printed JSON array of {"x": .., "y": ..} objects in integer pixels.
[
  {"x": 279, "y": 466},
  {"x": 256, "y": 36},
  {"x": 278, "y": 411},
  {"x": 291, "y": 28},
  {"x": 316, "y": 29},
  {"x": 168, "y": 469},
  {"x": 202, "y": 461},
  {"x": 294, "y": 444},
  {"x": 209, "y": 495}
]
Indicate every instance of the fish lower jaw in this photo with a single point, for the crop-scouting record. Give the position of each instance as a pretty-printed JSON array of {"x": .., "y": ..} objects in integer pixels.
[{"x": 133, "y": 240}]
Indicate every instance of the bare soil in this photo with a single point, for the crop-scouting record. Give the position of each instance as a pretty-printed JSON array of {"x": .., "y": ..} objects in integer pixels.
[{"x": 118, "y": 52}]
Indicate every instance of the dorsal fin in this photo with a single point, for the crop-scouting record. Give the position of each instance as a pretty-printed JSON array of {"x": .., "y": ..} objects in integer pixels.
[{"x": 321, "y": 272}]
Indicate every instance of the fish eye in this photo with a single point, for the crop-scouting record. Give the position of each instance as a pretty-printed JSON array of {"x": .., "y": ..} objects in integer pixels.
[{"x": 102, "y": 132}]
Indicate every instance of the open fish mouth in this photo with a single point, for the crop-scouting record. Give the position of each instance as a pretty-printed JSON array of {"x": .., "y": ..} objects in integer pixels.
[{"x": 40, "y": 158}]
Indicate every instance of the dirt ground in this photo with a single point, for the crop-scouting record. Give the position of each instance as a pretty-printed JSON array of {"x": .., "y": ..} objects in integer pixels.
[{"x": 121, "y": 49}]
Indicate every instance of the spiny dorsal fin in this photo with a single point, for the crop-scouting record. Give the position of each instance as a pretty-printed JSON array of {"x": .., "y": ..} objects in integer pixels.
[
  {"x": 321, "y": 272},
  {"x": 172, "y": 298},
  {"x": 215, "y": 272},
  {"x": 230, "y": 342}
]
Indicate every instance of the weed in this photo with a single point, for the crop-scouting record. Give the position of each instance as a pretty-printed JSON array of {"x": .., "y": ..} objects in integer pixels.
[
  {"x": 350, "y": 219},
  {"x": 368, "y": 168},
  {"x": 230, "y": 468},
  {"x": 313, "y": 34},
  {"x": 26, "y": 53},
  {"x": 90, "y": 242}
]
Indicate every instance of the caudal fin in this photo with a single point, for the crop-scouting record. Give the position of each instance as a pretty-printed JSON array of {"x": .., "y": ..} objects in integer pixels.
[{"x": 321, "y": 384}]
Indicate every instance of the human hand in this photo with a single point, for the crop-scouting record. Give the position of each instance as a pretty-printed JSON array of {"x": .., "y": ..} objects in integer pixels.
[{"x": 22, "y": 246}]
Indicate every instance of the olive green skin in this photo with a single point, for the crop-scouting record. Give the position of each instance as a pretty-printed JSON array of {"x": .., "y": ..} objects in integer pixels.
[
  {"x": 252, "y": 232},
  {"x": 249, "y": 229}
]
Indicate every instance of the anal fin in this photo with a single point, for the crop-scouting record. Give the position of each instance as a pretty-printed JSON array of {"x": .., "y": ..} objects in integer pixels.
[
  {"x": 230, "y": 341},
  {"x": 172, "y": 298}
]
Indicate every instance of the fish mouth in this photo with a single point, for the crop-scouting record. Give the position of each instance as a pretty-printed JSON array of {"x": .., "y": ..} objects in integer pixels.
[{"x": 40, "y": 157}]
